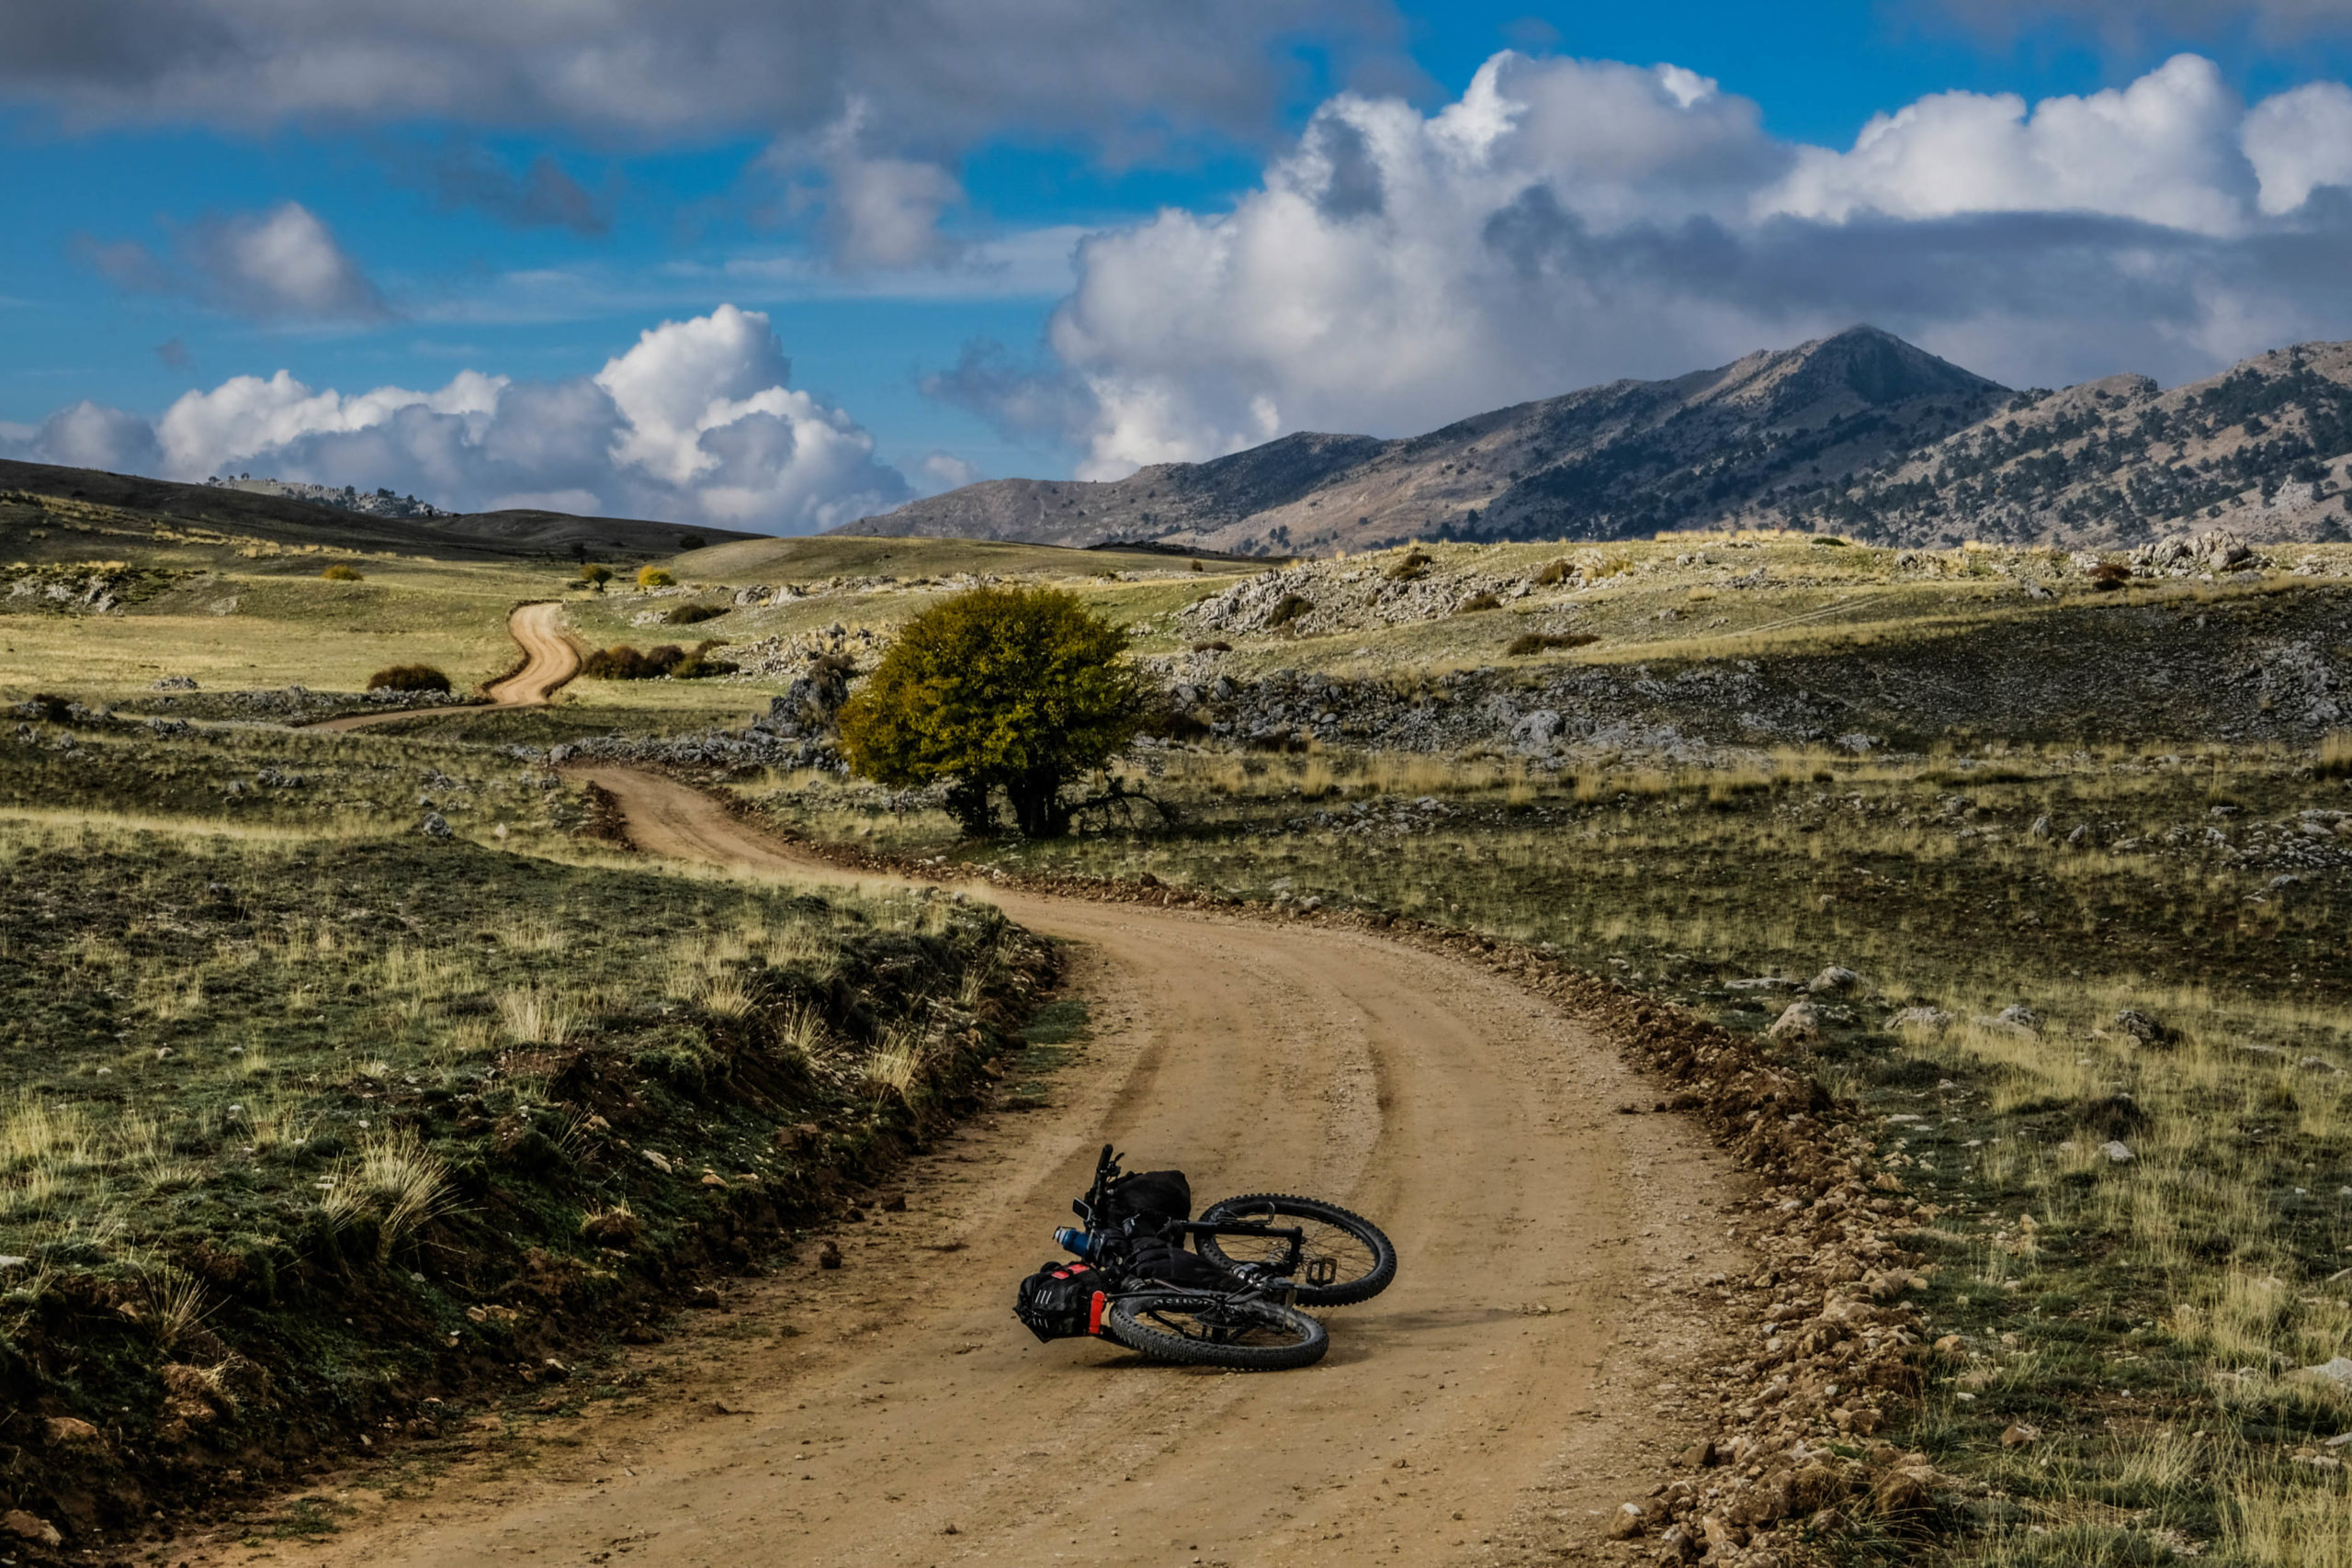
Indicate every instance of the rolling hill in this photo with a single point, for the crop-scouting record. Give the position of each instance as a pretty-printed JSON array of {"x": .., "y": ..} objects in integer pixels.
[{"x": 130, "y": 501}]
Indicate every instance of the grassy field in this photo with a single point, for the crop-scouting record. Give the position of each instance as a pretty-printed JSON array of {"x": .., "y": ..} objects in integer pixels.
[
  {"x": 2151, "y": 1315},
  {"x": 250, "y": 918},
  {"x": 313, "y": 1123}
]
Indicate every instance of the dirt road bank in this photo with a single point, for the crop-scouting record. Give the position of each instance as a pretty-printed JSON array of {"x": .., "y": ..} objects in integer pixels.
[
  {"x": 550, "y": 662},
  {"x": 1520, "y": 1378}
]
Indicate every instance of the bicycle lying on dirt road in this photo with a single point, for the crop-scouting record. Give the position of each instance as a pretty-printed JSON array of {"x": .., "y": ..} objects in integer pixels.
[{"x": 1233, "y": 1302}]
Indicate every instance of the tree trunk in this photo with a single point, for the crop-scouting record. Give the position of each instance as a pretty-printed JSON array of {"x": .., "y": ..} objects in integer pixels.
[
  {"x": 1037, "y": 805},
  {"x": 967, "y": 802}
]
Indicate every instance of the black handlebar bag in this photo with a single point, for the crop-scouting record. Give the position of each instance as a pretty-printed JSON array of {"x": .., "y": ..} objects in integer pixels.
[{"x": 1153, "y": 1197}]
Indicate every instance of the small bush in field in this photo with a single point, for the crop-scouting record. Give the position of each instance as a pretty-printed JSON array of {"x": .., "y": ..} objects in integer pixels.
[
  {"x": 1540, "y": 642},
  {"x": 1289, "y": 609},
  {"x": 654, "y": 576},
  {"x": 1554, "y": 573},
  {"x": 408, "y": 678},
  {"x": 689, "y": 615},
  {"x": 342, "y": 573},
  {"x": 1413, "y": 564},
  {"x": 622, "y": 662},
  {"x": 1477, "y": 602},
  {"x": 2335, "y": 755},
  {"x": 2109, "y": 576},
  {"x": 594, "y": 576}
]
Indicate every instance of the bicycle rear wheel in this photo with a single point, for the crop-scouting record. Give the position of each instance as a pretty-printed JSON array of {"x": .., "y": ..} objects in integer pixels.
[
  {"x": 1344, "y": 1258},
  {"x": 1217, "y": 1331}
]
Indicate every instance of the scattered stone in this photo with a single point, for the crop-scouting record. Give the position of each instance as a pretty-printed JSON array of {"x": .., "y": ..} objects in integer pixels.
[
  {"x": 829, "y": 1256},
  {"x": 706, "y": 1298},
  {"x": 175, "y": 683},
  {"x": 30, "y": 1526},
  {"x": 2020, "y": 1436},
  {"x": 2337, "y": 1371},
  {"x": 435, "y": 826},
  {"x": 2116, "y": 1152},
  {"x": 1931, "y": 1019},
  {"x": 1627, "y": 1522},
  {"x": 65, "y": 1431},
  {"x": 2146, "y": 1029},
  {"x": 1799, "y": 1021},
  {"x": 1834, "y": 978},
  {"x": 658, "y": 1161}
]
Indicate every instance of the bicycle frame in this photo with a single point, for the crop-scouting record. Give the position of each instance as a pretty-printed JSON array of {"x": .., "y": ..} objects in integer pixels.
[{"x": 1107, "y": 1170}]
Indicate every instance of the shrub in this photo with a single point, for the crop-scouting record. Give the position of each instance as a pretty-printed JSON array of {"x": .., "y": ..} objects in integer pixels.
[
  {"x": 693, "y": 542},
  {"x": 1477, "y": 602},
  {"x": 1212, "y": 648},
  {"x": 408, "y": 678},
  {"x": 2335, "y": 755},
  {"x": 342, "y": 573},
  {"x": 595, "y": 576},
  {"x": 1288, "y": 608},
  {"x": 1540, "y": 642},
  {"x": 2109, "y": 576},
  {"x": 622, "y": 662},
  {"x": 1554, "y": 573},
  {"x": 654, "y": 576},
  {"x": 1412, "y": 566},
  {"x": 700, "y": 664},
  {"x": 1018, "y": 690},
  {"x": 693, "y": 614}
]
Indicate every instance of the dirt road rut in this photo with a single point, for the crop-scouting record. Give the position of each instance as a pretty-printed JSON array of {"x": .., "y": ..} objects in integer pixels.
[{"x": 1520, "y": 1378}]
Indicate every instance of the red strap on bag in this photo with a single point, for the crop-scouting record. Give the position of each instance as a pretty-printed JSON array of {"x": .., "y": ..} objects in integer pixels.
[{"x": 1094, "y": 1314}]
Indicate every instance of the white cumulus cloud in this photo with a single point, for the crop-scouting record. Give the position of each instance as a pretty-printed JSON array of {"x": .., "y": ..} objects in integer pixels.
[
  {"x": 695, "y": 422},
  {"x": 1571, "y": 222}
]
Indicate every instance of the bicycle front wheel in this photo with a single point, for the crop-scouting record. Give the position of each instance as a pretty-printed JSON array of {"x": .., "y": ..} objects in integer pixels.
[
  {"x": 1344, "y": 1259},
  {"x": 1217, "y": 1331}
]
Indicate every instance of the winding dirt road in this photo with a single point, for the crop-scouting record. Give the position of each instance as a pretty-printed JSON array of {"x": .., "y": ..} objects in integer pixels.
[
  {"x": 1526, "y": 1373},
  {"x": 549, "y": 660}
]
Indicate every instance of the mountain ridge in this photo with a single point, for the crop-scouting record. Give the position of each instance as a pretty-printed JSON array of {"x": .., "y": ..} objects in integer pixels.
[{"x": 1859, "y": 433}]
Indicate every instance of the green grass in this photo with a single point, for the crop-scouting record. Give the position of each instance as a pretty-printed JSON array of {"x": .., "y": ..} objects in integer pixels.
[
  {"x": 2147, "y": 1302},
  {"x": 316, "y": 1115}
]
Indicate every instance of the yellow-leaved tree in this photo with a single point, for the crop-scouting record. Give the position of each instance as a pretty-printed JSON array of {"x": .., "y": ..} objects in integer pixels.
[{"x": 1018, "y": 690}]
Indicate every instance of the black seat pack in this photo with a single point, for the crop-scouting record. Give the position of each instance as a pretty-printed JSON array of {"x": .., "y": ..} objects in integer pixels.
[
  {"x": 1151, "y": 1196},
  {"x": 1061, "y": 1301}
]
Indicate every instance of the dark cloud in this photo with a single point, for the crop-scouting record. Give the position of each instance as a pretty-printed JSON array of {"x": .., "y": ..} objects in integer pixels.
[
  {"x": 543, "y": 195},
  {"x": 2135, "y": 23},
  {"x": 938, "y": 73}
]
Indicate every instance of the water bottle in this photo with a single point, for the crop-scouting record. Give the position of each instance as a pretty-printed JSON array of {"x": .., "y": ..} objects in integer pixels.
[{"x": 1085, "y": 1244}]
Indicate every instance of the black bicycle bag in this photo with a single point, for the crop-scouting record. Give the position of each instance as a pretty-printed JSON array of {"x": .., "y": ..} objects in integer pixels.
[
  {"x": 1153, "y": 1197},
  {"x": 1061, "y": 1301}
]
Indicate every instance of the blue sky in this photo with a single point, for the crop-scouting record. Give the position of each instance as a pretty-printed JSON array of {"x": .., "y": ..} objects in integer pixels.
[{"x": 202, "y": 197}]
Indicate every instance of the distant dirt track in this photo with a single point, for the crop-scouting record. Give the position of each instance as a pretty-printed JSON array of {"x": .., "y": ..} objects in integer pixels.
[
  {"x": 1490, "y": 1407},
  {"x": 549, "y": 660}
]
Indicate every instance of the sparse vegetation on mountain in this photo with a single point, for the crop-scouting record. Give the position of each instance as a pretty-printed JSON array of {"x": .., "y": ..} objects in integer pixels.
[{"x": 1859, "y": 435}]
